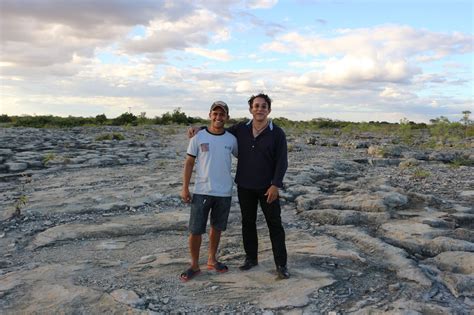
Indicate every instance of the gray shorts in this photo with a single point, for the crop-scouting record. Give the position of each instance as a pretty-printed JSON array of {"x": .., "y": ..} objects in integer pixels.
[{"x": 200, "y": 207}]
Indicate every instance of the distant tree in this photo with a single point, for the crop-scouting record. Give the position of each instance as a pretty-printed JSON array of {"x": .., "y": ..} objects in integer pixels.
[
  {"x": 465, "y": 118},
  {"x": 466, "y": 122},
  {"x": 405, "y": 130},
  {"x": 4, "y": 118},
  {"x": 404, "y": 121},
  {"x": 101, "y": 119},
  {"x": 176, "y": 117},
  {"x": 179, "y": 117},
  {"x": 166, "y": 118},
  {"x": 125, "y": 119},
  {"x": 440, "y": 120}
]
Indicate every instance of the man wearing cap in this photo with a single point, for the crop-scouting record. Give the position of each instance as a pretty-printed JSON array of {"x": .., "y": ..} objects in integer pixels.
[
  {"x": 210, "y": 150},
  {"x": 261, "y": 166}
]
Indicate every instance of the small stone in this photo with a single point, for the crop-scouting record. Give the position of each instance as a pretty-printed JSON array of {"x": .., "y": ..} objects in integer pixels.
[
  {"x": 165, "y": 300},
  {"x": 394, "y": 287}
]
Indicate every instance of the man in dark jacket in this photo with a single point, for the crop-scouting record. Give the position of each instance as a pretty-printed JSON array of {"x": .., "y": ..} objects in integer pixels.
[{"x": 261, "y": 166}]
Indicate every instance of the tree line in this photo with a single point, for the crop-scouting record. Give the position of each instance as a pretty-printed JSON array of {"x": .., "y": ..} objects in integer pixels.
[{"x": 179, "y": 117}]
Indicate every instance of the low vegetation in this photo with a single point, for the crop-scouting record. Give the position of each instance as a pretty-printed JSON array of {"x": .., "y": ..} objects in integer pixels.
[
  {"x": 125, "y": 119},
  {"x": 110, "y": 136},
  {"x": 420, "y": 173},
  {"x": 440, "y": 132}
]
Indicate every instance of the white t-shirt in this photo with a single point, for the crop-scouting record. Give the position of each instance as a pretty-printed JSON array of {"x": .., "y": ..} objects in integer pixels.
[{"x": 213, "y": 162}]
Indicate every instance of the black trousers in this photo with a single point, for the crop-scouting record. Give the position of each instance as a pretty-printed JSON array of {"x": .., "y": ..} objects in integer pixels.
[{"x": 248, "y": 200}]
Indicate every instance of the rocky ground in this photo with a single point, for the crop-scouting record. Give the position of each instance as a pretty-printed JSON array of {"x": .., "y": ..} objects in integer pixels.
[{"x": 93, "y": 226}]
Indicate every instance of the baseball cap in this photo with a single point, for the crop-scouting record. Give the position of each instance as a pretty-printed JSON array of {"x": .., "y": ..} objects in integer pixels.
[{"x": 220, "y": 104}]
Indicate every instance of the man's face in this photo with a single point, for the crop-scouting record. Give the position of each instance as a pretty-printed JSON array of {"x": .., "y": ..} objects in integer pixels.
[
  {"x": 260, "y": 109},
  {"x": 218, "y": 118}
]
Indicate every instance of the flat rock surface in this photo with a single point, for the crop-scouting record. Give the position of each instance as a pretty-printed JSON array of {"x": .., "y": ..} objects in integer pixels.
[{"x": 90, "y": 226}]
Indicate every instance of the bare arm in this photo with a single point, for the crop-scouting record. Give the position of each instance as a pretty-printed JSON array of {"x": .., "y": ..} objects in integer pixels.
[
  {"x": 192, "y": 131},
  {"x": 188, "y": 171}
]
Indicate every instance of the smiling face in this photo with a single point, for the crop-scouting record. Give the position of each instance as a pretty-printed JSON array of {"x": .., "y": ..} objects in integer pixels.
[
  {"x": 260, "y": 109},
  {"x": 218, "y": 118}
]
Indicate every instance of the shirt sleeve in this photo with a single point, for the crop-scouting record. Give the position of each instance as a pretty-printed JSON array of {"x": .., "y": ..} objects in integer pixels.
[
  {"x": 193, "y": 148},
  {"x": 281, "y": 160},
  {"x": 235, "y": 147}
]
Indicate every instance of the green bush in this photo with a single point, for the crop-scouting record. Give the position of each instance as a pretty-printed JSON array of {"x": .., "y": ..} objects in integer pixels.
[
  {"x": 177, "y": 117},
  {"x": 48, "y": 157},
  {"x": 110, "y": 136},
  {"x": 125, "y": 119},
  {"x": 442, "y": 130},
  {"x": 458, "y": 162},
  {"x": 47, "y": 121},
  {"x": 5, "y": 118},
  {"x": 421, "y": 173},
  {"x": 101, "y": 119}
]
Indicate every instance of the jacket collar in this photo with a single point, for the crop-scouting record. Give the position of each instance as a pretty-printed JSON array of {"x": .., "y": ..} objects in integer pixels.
[{"x": 270, "y": 123}]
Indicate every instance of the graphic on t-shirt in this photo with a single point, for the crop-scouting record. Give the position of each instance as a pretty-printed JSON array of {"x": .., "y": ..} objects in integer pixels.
[{"x": 204, "y": 147}]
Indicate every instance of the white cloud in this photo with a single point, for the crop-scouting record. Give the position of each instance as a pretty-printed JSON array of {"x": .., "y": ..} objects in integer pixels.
[
  {"x": 164, "y": 34},
  {"x": 119, "y": 75},
  {"x": 381, "y": 54},
  {"x": 221, "y": 35},
  {"x": 244, "y": 86},
  {"x": 261, "y": 4},
  {"x": 42, "y": 33},
  {"x": 218, "y": 54}
]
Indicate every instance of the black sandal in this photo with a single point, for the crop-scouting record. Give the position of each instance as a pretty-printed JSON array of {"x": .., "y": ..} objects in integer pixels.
[
  {"x": 189, "y": 274},
  {"x": 219, "y": 267}
]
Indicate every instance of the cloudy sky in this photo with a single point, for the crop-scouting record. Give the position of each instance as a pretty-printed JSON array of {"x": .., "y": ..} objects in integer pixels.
[{"x": 356, "y": 60}]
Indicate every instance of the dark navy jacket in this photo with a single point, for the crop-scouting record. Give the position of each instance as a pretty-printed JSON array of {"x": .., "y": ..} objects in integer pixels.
[{"x": 262, "y": 161}]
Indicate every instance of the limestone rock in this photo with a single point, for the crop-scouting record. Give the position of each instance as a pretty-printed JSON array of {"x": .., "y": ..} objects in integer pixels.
[
  {"x": 457, "y": 262},
  {"x": 127, "y": 297}
]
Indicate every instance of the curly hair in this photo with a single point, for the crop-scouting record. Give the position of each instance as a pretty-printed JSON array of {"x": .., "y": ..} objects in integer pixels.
[{"x": 264, "y": 96}]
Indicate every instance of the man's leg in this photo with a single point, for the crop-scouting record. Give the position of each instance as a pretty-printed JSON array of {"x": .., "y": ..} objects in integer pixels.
[
  {"x": 219, "y": 217},
  {"x": 248, "y": 201},
  {"x": 194, "y": 248},
  {"x": 272, "y": 214},
  {"x": 214, "y": 238},
  {"x": 197, "y": 226}
]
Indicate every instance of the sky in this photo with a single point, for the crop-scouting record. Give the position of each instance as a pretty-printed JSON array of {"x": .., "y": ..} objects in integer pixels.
[{"x": 356, "y": 60}]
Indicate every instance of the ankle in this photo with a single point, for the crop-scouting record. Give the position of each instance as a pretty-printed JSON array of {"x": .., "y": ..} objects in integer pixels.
[{"x": 211, "y": 261}]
